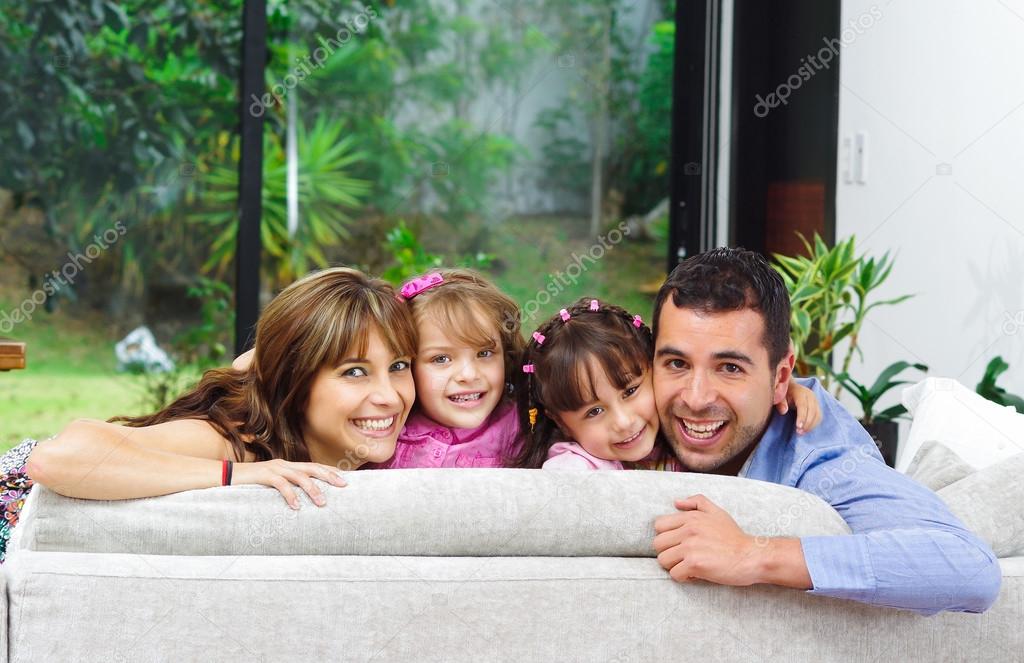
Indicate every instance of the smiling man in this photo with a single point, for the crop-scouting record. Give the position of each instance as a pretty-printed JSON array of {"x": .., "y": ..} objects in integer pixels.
[{"x": 722, "y": 361}]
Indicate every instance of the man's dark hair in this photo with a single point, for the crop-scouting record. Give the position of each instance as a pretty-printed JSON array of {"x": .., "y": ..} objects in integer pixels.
[{"x": 731, "y": 279}]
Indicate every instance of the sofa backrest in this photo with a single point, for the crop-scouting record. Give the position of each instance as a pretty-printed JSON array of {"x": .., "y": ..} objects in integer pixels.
[{"x": 457, "y": 512}]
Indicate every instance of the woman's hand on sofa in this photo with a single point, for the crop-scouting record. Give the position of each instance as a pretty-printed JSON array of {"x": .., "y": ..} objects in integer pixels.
[{"x": 284, "y": 475}]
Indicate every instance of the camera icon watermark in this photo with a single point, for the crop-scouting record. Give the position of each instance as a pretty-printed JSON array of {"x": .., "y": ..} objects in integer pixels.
[
  {"x": 692, "y": 168},
  {"x": 1013, "y": 323},
  {"x": 440, "y": 169},
  {"x": 61, "y": 60},
  {"x": 944, "y": 169},
  {"x": 186, "y": 169},
  {"x": 566, "y": 60}
]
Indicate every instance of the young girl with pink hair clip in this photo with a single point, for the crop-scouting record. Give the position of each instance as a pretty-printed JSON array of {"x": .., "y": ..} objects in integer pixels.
[
  {"x": 586, "y": 399},
  {"x": 469, "y": 349}
]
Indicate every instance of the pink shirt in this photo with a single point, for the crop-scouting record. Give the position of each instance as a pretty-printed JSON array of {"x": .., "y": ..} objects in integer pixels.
[
  {"x": 571, "y": 456},
  {"x": 425, "y": 443}
]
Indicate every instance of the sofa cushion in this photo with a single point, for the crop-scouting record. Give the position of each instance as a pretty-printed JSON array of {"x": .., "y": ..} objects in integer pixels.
[
  {"x": 501, "y": 512},
  {"x": 979, "y": 431},
  {"x": 936, "y": 466},
  {"x": 142, "y": 608},
  {"x": 989, "y": 502}
]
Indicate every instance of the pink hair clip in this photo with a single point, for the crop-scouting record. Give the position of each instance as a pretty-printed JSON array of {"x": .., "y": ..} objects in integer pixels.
[
  {"x": 594, "y": 306},
  {"x": 528, "y": 368},
  {"x": 537, "y": 336},
  {"x": 564, "y": 314},
  {"x": 421, "y": 284},
  {"x": 637, "y": 321}
]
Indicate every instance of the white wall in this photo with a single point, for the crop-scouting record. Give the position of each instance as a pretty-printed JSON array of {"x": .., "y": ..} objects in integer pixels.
[{"x": 936, "y": 82}]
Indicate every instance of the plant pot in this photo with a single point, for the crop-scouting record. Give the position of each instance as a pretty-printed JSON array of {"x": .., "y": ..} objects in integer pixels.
[{"x": 886, "y": 436}]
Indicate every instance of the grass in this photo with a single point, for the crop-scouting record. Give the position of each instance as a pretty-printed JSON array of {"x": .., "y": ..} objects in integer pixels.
[
  {"x": 71, "y": 372},
  {"x": 533, "y": 251}
]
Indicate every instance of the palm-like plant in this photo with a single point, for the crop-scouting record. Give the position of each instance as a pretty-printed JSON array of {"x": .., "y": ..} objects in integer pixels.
[
  {"x": 829, "y": 289},
  {"x": 327, "y": 197}
]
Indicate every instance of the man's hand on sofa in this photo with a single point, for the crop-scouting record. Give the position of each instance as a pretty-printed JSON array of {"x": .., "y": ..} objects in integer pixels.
[{"x": 703, "y": 542}]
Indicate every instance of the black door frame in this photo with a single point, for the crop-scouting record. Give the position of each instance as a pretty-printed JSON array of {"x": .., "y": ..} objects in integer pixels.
[
  {"x": 250, "y": 174},
  {"x": 695, "y": 105}
]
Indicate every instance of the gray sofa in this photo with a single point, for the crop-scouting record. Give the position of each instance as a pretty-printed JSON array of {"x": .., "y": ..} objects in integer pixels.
[{"x": 445, "y": 565}]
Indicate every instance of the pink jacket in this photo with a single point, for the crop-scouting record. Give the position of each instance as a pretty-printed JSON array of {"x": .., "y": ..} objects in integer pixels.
[{"x": 424, "y": 443}]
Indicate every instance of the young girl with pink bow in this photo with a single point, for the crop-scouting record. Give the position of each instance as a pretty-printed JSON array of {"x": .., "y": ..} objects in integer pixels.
[{"x": 469, "y": 348}]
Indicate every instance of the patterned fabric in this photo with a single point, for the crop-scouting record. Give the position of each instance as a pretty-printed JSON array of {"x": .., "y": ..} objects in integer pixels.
[{"x": 14, "y": 488}]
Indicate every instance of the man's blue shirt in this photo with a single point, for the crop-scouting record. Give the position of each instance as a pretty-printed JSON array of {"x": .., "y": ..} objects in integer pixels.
[{"x": 906, "y": 551}]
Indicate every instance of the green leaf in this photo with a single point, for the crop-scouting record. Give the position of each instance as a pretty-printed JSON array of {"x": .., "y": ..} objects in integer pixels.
[
  {"x": 883, "y": 383},
  {"x": 890, "y": 414}
]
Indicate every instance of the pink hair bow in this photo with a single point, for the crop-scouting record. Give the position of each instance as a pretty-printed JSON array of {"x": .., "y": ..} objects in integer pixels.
[
  {"x": 637, "y": 321},
  {"x": 528, "y": 368},
  {"x": 421, "y": 284},
  {"x": 537, "y": 336},
  {"x": 565, "y": 314},
  {"x": 594, "y": 306}
]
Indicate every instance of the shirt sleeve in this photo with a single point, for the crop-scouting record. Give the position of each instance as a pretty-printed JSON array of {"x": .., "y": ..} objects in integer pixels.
[{"x": 907, "y": 549}]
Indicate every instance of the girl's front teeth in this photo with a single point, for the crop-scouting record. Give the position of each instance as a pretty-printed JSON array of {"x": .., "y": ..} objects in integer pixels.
[
  {"x": 374, "y": 424},
  {"x": 463, "y": 398}
]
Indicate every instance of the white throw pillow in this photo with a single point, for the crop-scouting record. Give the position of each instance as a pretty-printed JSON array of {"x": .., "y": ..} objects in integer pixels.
[{"x": 976, "y": 429}]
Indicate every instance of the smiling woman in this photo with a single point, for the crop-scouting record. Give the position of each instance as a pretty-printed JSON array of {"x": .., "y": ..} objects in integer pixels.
[{"x": 329, "y": 388}]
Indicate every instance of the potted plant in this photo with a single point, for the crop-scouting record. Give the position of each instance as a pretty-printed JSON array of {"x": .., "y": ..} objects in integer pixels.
[
  {"x": 988, "y": 388},
  {"x": 882, "y": 425},
  {"x": 830, "y": 292},
  {"x": 829, "y": 289}
]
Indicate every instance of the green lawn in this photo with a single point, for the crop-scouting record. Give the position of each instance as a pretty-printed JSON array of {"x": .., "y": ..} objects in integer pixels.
[
  {"x": 69, "y": 374},
  {"x": 71, "y": 365},
  {"x": 533, "y": 251}
]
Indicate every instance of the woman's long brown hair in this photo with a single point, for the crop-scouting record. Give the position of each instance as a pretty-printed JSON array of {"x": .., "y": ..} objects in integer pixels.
[{"x": 314, "y": 322}]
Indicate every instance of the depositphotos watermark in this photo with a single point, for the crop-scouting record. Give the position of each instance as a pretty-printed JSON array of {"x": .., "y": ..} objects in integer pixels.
[
  {"x": 61, "y": 278},
  {"x": 1013, "y": 323},
  {"x": 812, "y": 64},
  {"x": 315, "y": 60},
  {"x": 561, "y": 279}
]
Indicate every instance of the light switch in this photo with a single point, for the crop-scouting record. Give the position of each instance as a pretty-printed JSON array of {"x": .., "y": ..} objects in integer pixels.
[
  {"x": 846, "y": 156},
  {"x": 860, "y": 157}
]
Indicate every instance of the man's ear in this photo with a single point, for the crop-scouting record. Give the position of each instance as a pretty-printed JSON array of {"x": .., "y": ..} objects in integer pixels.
[{"x": 783, "y": 375}]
